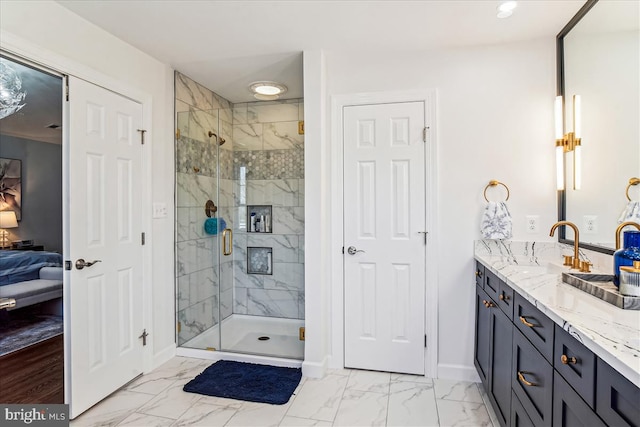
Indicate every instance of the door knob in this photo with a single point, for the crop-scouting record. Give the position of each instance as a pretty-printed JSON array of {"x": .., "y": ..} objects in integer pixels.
[
  {"x": 352, "y": 250},
  {"x": 80, "y": 263}
]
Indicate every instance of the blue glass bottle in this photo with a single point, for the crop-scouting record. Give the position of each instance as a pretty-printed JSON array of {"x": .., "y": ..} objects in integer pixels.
[{"x": 630, "y": 252}]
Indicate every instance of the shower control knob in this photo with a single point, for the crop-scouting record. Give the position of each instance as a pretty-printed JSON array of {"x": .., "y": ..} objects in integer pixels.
[{"x": 352, "y": 250}]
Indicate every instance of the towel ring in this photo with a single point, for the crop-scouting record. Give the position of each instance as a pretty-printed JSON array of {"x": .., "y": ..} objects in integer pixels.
[
  {"x": 632, "y": 181},
  {"x": 493, "y": 183}
]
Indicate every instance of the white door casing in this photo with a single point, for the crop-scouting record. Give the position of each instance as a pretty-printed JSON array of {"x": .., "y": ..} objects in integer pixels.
[
  {"x": 385, "y": 217},
  {"x": 105, "y": 218}
]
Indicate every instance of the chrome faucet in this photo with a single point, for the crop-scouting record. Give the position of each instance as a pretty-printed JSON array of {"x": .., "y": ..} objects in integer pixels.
[
  {"x": 619, "y": 229},
  {"x": 575, "y": 261}
]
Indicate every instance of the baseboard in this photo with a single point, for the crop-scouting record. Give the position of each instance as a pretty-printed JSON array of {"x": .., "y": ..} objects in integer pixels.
[
  {"x": 162, "y": 356},
  {"x": 458, "y": 373},
  {"x": 314, "y": 369}
]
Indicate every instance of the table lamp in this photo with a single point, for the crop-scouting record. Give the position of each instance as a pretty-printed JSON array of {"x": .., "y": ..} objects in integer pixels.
[{"x": 7, "y": 220}]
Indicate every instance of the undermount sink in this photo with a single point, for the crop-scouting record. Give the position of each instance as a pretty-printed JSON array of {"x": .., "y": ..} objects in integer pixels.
[
  {"x": 601, "y": 286},
  {"x": 548, "y": 268}
]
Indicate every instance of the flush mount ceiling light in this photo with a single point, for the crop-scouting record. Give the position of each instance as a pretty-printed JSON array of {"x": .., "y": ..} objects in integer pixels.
[
  {"x": 505, "y": 9},
  {"x": 266, "y": 91}
]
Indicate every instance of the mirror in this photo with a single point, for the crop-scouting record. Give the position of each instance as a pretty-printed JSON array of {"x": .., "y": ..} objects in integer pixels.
[{"x": 599, "y": 59}]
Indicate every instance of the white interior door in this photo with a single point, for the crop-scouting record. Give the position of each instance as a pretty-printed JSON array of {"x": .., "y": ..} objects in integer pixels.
[
  {"x": 105, "y": 159},
  {"x": 385, "y": 247}
]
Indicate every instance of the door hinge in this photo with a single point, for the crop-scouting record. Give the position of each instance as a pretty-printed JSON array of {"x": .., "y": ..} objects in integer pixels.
[
  {"x": 142, "y": 131},
  {"x": 144, "y": 337},
  {"x": 425, "y": 341},
  {"x": 143, "y": 238},
  {"x": 343, "y": 250},
  {"x": 301, "y": 333},
  {"x": 179, "y": 327},
  {"x": 424, "y": 134},
  {"x": 66, "y": 88}
]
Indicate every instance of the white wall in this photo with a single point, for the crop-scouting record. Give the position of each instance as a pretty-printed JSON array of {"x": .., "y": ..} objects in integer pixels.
[
  {"x": 46, "y": 32},
  {"x": 495, "y": 121}
]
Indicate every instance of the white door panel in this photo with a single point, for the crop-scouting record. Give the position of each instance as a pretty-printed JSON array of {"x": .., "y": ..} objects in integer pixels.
[
  {"x": 105, "y": 158},
  {"x": 384, "y": 213}
]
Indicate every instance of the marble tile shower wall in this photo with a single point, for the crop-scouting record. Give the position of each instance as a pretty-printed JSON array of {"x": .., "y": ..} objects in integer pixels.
[
  {"x": 200, "y": 111},
  {"x": 268, "y": 169}
]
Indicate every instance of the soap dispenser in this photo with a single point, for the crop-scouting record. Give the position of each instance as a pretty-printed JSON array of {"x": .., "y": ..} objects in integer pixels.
[{"x": 629, "y": 253}]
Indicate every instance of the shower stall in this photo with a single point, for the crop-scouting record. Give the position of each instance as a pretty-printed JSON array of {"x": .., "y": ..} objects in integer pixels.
[{"x": 239, "y": 224}]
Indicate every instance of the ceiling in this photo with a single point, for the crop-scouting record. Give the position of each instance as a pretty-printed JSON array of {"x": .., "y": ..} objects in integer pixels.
[
  {"x": 225, "y": 45},
  {"x": 42, "y": 106}
]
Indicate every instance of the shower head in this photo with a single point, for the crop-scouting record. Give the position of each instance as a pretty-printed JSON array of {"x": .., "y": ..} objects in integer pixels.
[{"x": 221, "y": 141}]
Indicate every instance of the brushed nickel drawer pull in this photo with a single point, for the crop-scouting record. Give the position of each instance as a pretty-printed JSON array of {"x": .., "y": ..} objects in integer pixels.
[
  {"x": 524, "y": 320},
  {"x": 524, "y": 381},
  {"x": 566, "y": 360}
]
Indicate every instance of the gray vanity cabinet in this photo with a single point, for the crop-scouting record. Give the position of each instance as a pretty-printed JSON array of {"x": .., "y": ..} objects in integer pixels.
[
  {"x": 519, "y": 417},
  {"x": 492, "y": 353},
  {"x": 501, "y": 339},
  {"x": 536, "y": 373},
  {"x": 569, "y": 410},
  {"x": 617, "y": 398},
  {"x": 532, "y": 380},
  {"x": 482, "y": 338},
  {"x": 577, "y": 364}
]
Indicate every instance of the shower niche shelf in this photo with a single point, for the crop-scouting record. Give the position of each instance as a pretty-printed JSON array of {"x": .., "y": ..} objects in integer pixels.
[
  {"x": 259, "y": 260},
  {"x": 260, "y": 211}
]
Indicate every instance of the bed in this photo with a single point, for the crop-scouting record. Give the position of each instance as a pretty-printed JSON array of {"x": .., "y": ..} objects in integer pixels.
[{"x": 30, "y": 277}]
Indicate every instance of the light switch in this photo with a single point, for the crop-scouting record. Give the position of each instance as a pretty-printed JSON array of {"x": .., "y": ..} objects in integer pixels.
[{"x": 159, "y": 210}]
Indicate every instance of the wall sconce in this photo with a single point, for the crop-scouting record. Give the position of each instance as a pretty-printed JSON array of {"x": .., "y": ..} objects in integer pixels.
[
  {"x": 570, "y": 141},
  {"x": 7, "y": 220}
]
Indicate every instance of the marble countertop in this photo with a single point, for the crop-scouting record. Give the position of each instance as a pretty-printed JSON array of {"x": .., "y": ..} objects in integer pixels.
[{"x": 612, "y": 333}]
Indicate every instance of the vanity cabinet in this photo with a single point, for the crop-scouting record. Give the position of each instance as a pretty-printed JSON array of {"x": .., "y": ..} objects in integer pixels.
[
  {"x": 493, "y": 353},
  {"x": 537, "y": 374}
]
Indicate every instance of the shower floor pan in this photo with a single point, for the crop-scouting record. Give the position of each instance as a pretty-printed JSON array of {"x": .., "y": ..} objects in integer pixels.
[{"x": 246, "y": 334}]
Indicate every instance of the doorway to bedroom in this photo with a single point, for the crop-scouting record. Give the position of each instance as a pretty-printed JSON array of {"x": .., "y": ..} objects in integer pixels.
[{"x": 31, "y": 233}]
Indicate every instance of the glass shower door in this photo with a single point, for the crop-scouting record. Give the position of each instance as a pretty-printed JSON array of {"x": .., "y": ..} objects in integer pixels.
[{"x": 198, "y": 227}]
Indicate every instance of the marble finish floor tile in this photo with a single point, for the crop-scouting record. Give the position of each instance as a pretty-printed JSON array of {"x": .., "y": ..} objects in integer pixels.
[
  {"x": 362, "y": 408},
  {"x": 377, "y": 382},
  {"x": 455, "y": 413},
  {"x": 112, "y": 410},
  {"x": 344, "y": 397},
  {"x": 457, "y": 390},
  {"x": 412, "y": 404},
  {"x": 319, "y": 398}
]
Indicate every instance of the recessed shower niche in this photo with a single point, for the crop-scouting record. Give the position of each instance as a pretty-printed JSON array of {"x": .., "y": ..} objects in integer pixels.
[
  {"x": 259, "y": 260},
  {"x": 258, "y": 288}
]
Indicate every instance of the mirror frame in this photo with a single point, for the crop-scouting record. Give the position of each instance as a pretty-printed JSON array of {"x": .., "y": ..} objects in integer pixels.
[{"x": 562, "y": 198}]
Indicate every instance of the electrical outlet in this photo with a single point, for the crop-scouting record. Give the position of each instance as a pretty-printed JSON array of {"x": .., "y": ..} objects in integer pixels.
[
  {"x": 159, "y": 210},
  {"x": 532, "y": 223},
  {"x": 590, "y": 224}
]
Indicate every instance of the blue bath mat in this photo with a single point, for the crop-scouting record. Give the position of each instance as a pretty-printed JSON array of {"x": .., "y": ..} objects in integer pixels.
[{"x": 246, "y": 381}]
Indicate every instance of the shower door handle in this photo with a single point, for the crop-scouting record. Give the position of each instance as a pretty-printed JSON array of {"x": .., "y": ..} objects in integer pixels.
[{"x": 227, "y": 246}]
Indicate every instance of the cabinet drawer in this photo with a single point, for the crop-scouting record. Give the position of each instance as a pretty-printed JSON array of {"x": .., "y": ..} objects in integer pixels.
[
  {"x": 577, "y": 364},
  {"x": 491, "y": 284},
  {"x": 536, "y": 326},
  {"x": 479, "y": 274},
  {"x": 519, "y": 417},
  {"x": 505, "y": 299},
  {"x": 532, "y": 380},
  {"x": 616, "y": 397},
  {"x": 569, "y": 410}
]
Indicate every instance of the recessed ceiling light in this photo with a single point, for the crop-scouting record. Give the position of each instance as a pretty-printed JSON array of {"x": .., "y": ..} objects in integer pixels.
[
  {"x": 505, "y": 9},
  {"x": 267, "y": 90}
]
